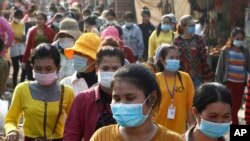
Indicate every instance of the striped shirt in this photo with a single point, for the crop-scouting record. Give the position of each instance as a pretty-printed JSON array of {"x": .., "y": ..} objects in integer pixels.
[{"x": 236, "y": 70}]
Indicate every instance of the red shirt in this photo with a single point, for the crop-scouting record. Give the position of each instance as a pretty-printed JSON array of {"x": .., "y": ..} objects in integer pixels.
[
  {"x": 30, "y": 44},
  {"x": 83, "y": 117}
]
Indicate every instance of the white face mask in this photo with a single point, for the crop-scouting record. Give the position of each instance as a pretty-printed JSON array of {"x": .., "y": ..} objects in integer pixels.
[
  {"x": 66, "y": 42},
  {"x": 105, "y": 79},
  {"x": 110, "y": 22},
  {"x": 238, "y": 43},
  {"x": 45, "y": 79}
]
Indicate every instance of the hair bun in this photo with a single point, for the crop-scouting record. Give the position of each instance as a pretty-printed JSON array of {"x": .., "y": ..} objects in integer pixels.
[{"x": 110, "y": 42}]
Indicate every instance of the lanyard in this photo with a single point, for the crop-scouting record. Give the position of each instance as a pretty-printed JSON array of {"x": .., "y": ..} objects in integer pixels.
[{"x": 173, "y": 91}]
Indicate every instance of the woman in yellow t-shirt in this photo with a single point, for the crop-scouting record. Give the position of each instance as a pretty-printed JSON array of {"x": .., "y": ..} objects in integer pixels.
[
  {"x": 135, "y": 97},
  {"x": 177, "y": 92}
]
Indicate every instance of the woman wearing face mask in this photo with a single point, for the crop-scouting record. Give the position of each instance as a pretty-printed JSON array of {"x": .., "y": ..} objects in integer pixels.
[
  {"x": 44, "y": 103},
  {"x": 18, "y": 48},
  {"x": 69, "y": 32},
  {"x": 36, "y": 35},
  {"x": 132, "y": 36},
  {"x": 177, "y": 92},
  {"x": 55, "y": 23},
  {"x": 232, "y": 68},
  {"x": 110, "y": 20},
  {"x": 163, "y": 34},
  {"x": 91, "y": 109},
  {"x": 90, "y": 25},
  {"x": 83, "y": 55},
  {"x": 193, "y": 53},
  {"x": 135, "y": 97},
  {"x": 212, "y": 110}
]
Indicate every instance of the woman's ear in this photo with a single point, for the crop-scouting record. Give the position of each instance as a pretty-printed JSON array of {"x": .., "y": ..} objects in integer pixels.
[
  {"x": 195, "y": 113},
  {"x": 58, "y": 69}
]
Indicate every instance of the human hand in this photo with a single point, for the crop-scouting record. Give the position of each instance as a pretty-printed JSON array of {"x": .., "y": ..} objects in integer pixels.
[
  {"x": 12, "y": 136},
  {"x": 23, "y": 65}
]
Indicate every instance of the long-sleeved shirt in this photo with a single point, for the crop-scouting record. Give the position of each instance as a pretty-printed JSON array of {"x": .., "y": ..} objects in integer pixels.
[
  {"x": 31, "y": 40},
  {"x": 156, "y": 41},
  {"x": 222, "y": 69},
  {"x": 146, "y": 30},
  {"x": 33, "y": 111},
  {"x": 77, "y": 84},
  {"x": 6, "y": 34},
  {"x": 193, "y": 56},
  {"x": 133, "y": 38},
  {"x": 84, "y": 115}
]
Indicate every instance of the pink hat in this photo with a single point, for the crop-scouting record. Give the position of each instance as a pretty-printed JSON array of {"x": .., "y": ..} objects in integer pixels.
[{"x": 110, "y": 32}]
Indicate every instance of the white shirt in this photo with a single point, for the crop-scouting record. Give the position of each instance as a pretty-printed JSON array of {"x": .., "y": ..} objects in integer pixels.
[{"x": 78, "y": 85}]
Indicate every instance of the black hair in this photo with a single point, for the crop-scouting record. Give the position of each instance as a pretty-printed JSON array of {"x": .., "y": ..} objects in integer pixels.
[
  {"x": 238, "y": 30},
  {"x": 146, "y": 11},
  {"x": 44, "y": 16},
  {"x": 162, "y": 56},
  {"x": 1, "y": 44},
  {"x": 110, "y": 42},
  {"x": 86, "y": 11},
  {"x": 18, "y": 13},
  {"x": 111, "y": 13},
  {"x": 129, "y": 15},
  {"x": 46, "y": 50},
  {"x": 158, "y": 29},
  {"x": 58, "y": 16},
  {"x": 90, "y": 20},
  {"x": 110, "y": 48},
  {"x": 142, "y": 78},
  {"x": 209, "y": 93}
]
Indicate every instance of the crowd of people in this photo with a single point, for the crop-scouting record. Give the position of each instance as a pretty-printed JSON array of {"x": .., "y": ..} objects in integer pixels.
[{"x": 87, "y": 76}]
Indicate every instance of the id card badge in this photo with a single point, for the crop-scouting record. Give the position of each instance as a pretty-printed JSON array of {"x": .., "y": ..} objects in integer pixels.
[{"x": 171, "y": 112}]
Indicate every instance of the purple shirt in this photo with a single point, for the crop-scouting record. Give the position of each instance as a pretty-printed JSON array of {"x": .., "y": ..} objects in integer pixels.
[
  {"x": 6, "y": 34},
  {"x": 83, "y": 117}
]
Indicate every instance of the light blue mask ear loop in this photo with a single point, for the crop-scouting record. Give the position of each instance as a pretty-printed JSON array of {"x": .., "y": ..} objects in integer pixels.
[{"x": 150, "y": 106}]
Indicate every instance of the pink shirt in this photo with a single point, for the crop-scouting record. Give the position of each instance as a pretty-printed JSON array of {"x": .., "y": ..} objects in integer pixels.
[{"x": 6, "y": 34}]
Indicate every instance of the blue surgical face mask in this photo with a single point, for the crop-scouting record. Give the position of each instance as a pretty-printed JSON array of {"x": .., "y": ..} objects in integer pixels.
[
  {"x": 191, "y": 30},
  {"x": 56, "y": 24},
  {"x": 172, "y": 65},
  {"x": 129, "y": 115},
  {"x": 166, "y": 27},
  {"x": 213, "y": 129},
  {"x": 238, "y": 43},
  {"x": 129, "y": 24},
  {"x": 80, "y": 63}
]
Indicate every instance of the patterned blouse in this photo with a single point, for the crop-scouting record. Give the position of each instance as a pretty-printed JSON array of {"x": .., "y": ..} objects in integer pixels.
[{"x": 193, "y": 57}]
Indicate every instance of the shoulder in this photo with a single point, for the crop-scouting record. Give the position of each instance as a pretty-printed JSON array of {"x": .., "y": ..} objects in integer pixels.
[
  {"x": 66, "y": 81},
  {"x": 169, "y": 134},
  {"x": 107, "y": 133},
  {"x": 23, "y": 85},
  {"x": 68, "y": 90},
  {"x": 87, "y": 95},
  {"x": 153, "y": 33},
  {"x": 159, "y": 75},
  {"x": 184, "y": 74}
]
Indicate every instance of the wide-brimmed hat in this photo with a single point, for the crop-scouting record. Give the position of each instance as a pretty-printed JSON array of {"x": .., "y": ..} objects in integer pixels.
[
  {"x": 87, "y": 45},
  {"x": 69, "y": 26},
  {"x": 187, "y": 20}
]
